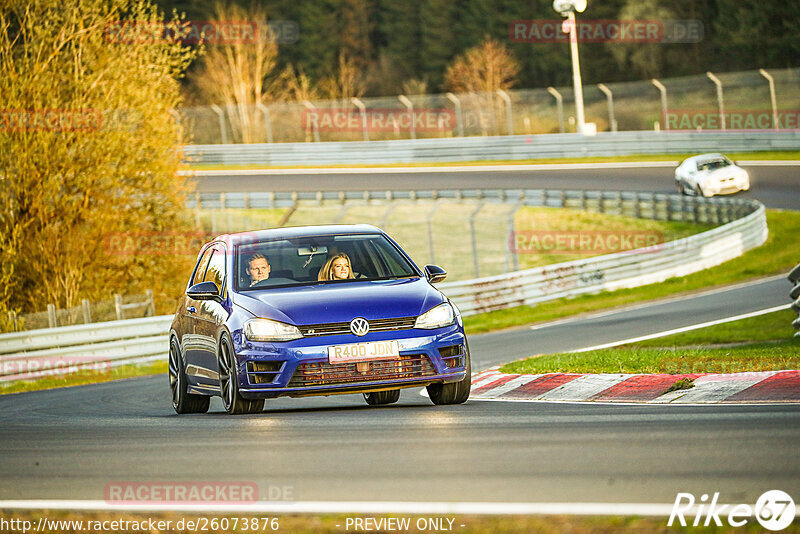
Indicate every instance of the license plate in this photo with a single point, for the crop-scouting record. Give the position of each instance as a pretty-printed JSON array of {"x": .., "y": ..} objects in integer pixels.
[{"x": 356, "y": 352}]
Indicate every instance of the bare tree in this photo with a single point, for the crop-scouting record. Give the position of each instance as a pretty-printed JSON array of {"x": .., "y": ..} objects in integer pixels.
[
  {"x": 483, "y": 68},
  {"x": 235, "y": 73},
  {"x": 345, "y": 83}
]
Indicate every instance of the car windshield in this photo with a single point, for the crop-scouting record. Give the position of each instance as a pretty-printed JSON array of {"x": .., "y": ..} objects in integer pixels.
[
  {"x": 319, "y": 260},
  {"x": 713, "y": 164}
]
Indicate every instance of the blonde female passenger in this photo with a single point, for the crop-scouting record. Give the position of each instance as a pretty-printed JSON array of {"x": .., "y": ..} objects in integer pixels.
[{"x": 337, "y": 267}]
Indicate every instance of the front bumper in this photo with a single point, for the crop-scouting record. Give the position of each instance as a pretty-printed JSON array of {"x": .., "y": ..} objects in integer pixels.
[{"x": 301, "y": 368}]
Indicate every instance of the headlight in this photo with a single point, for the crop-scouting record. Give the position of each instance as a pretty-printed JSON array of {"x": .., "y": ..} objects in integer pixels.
[
  {"x": 436, "y": 317},
  {"x": 269, "y": 330}
]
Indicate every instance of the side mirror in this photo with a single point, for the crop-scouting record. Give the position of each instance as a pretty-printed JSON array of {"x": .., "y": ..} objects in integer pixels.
[
  {"x": 434, "y": 273},
  {"x": 204, "y": 291}
]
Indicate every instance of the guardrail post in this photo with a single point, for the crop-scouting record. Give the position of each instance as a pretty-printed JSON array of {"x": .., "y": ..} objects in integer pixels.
[
  {"x": 720, "y": 101},
  {"x": 794, "y": 279},
  {"x": 410, "y": 106},
  {"x": 267, "y": 121},
  {"x": 459, "y": 115},
  {"x": 313, "y": 108},
  {"x": 612, "y": 122},
  {"x": 511, "y": 246},
  {"x": 559, "y": 107},
  {"x": 12, "y": 320},
  {"x": 474, "y": 239},
  {"x": 509, "y": 117},
  {"x": 51, "y": 315},
  {"x": 87, "y": 312},
  {"x": 151, "y": 304},
  {"x": 772, "y": 100},
  {"x": 223, "y": 131},
  {"x": 118, "y": 306},
  {"x": 429, "y": 223},
  {"x": 363, "y": 109},
  {"x": 663, "y": 91}
]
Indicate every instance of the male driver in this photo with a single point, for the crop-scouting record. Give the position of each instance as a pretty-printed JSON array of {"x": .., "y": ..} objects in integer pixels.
[{"x": 258, "y": 269}]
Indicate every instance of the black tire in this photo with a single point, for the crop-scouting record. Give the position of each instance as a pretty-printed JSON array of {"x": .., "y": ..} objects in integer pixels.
[
  {"x": 681, "y": 187},
  {"x": 377, "y": 398},
  {"x": 182, "y": 401},
  {"x": 234, "y": 403},
  {"x": 454, "y": 392}
]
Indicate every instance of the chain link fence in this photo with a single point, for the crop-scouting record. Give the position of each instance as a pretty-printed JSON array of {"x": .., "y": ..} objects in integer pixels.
[{"x": 749, "y": 100}]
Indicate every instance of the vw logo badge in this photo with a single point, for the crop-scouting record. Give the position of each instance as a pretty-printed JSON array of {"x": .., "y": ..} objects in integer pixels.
[{"x": 359, "y": 326}]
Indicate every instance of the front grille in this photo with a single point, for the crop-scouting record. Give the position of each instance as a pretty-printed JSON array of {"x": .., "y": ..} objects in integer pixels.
[
  {"x": 324, "y": 373},
  {"x": 375, "y": 325}
]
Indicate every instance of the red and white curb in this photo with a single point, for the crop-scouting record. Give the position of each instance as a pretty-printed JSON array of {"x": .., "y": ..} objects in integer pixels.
[{"x": 767, "y": 386}]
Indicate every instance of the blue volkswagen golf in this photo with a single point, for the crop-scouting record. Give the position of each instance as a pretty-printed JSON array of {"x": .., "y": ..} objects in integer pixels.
[{"x": 317, "y": 310}]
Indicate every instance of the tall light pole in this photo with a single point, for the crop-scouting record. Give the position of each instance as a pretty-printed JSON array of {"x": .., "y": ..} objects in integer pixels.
[{"x": 567, "y": 8}]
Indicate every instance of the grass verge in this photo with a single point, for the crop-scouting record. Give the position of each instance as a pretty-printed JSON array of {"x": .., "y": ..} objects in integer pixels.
[
  {"x": 770, "y": 348},
  {"x": 80, "y": 378},
  {"x": 749, "y": 156},
  {"x": 777, "y": 255},
  {"x": 330, "y": 523}
]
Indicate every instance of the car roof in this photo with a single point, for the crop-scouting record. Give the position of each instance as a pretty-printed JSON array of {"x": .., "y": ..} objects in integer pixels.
[
  {"x": 292, "y": 232},
  {"x": 706, "y": 157}
]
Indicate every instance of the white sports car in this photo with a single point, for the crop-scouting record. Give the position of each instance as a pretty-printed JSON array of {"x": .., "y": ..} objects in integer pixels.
[{"x": 710, "y": 174}]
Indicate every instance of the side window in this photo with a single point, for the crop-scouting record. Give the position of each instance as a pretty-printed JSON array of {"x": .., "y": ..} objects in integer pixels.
[
  {"x": 216, "y": 268},
  {"x": 201, "y": 267}
]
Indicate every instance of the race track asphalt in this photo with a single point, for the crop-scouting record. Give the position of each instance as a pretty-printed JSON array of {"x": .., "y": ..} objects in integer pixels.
[
  {"x": 71, "y": 443},
  {"x": 777, "y": 186}
]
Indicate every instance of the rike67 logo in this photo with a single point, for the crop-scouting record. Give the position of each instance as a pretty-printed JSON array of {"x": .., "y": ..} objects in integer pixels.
[{"x": 774, "y": 510}]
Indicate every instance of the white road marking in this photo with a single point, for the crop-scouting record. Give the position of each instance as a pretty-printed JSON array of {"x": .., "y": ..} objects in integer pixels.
[
  {"x": 431, "y": 169},
  {"x": 584, "y": 387},
  {"x": 652, "y": 303},
  {"x": 462, "y": 168},
  {"x": 684, "y": 329},
  {"x": 362, "y": 507}
]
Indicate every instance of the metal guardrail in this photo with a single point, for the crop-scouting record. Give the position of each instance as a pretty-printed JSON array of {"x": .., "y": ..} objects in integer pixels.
[
  {"x": 112, "y": 344},
  {"x": 620, "y": 270},
  {"x": 743, "y": 227},
  {"x": 794, "y": 278},
  {"x": 511, "y": 147}
]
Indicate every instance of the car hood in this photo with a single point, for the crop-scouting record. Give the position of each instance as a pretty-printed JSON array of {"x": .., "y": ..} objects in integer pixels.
[
  {"x": 341, "y": 302},
  {"x": 725, "y": 172}
]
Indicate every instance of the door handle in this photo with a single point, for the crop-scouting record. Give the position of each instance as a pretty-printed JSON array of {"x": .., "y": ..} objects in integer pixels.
[{"x": 191, "y": 309}]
